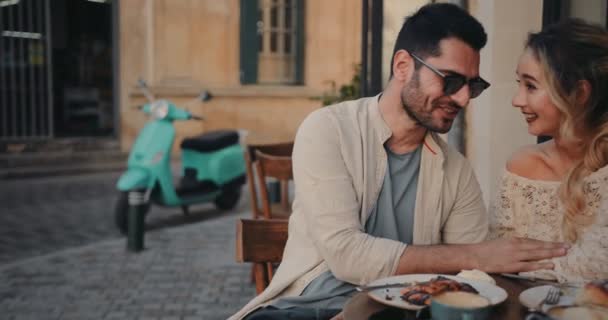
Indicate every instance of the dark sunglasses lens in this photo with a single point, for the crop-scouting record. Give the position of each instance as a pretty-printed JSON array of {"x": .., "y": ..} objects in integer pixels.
[
  {"x": 477, "y": 87},
  {"x": 452, "y": 84}
]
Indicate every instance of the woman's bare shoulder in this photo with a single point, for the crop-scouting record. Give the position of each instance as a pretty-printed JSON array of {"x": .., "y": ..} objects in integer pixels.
[{"x": 531, "y": 162}]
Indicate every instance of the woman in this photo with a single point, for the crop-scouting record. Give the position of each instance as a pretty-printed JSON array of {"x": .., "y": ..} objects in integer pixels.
[{"x": 558, "y": 190}]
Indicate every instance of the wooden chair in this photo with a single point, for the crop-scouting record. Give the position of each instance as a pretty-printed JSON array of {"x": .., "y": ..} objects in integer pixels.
[
  {"x": 279, "y": 168},
  {"x": 261, "y": 242},
  {"x": 281, "y": 210}
]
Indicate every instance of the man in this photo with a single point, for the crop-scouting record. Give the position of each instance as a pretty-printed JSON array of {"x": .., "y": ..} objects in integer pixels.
[{"x": 378, "y": 193}]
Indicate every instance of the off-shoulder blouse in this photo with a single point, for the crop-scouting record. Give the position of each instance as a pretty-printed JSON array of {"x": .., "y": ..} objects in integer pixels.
[{"x": 531, "y": 208}]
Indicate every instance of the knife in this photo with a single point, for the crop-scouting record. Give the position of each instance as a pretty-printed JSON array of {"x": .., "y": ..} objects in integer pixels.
[{"x": 382, "y": 286}]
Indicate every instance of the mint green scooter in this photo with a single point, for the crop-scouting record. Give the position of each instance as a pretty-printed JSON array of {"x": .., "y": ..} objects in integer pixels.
[{"x": 212, "y": 168}]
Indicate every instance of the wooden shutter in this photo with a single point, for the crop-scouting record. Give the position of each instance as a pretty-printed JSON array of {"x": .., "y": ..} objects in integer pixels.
[{"x": 249, "y": 42}]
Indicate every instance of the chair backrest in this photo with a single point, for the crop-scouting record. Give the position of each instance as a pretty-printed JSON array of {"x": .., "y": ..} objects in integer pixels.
[
  {"x": 279, "y": 168},
  {"x": 262, "y": 242},
  {"x": 278, "y": 149}
]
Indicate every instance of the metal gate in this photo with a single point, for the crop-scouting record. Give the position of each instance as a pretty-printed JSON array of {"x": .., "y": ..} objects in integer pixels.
[{"x": 26, "y": 95}]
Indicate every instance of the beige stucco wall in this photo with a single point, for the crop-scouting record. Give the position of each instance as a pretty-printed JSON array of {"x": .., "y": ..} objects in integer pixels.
[
  {"x": 495, "y": 129},
  {"x": 181, "y": 47}
]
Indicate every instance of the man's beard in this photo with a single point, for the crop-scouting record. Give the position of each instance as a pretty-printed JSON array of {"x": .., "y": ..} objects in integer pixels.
[{"x": 413, "y": 103}]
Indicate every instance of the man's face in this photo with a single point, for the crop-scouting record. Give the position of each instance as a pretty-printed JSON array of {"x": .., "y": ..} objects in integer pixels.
[{"x": 423, "y": 98}]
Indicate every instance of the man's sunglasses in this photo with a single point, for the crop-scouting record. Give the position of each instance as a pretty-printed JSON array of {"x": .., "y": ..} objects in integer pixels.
[{"x": 452, "y": 83}]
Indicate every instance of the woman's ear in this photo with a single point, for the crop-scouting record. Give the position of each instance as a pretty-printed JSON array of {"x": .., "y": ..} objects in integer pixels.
[
  {"x": 583, "y": 92},
  {"x": 403, "y": 64}
]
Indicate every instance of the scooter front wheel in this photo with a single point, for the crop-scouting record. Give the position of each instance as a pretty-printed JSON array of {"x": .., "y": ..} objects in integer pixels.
[
  {"x": 228, "y": 199},
  {"x": 121, "y": 212}
]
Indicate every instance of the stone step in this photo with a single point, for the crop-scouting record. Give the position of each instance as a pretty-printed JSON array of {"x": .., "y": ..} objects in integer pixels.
[
  {"x": 29, "y": 159},
  {"x": 60, "y": 170},
  {"x": 59, "y": 145},
  {"x": 60, "y": 157}
]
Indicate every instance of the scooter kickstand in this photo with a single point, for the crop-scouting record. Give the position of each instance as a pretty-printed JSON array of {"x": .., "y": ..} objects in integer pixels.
[{"x": 185, "y": 211}]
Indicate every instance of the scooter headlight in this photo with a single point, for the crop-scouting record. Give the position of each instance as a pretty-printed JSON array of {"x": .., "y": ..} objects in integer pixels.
[{"x": 159, "y": 109}]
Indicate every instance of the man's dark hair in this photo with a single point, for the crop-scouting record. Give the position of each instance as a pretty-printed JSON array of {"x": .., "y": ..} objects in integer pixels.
[{"x": 422, "y": 31}]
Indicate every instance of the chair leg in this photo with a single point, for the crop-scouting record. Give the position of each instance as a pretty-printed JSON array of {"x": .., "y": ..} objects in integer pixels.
[
  {"x": 269, "y": 271},
  {"x": 252, "y": 273},
  {"x": 285, "y": 194},
  {"x": 260, "y": 278}
]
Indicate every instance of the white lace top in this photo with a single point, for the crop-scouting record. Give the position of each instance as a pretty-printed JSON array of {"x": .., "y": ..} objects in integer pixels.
[{"x": 531, "y": 208}]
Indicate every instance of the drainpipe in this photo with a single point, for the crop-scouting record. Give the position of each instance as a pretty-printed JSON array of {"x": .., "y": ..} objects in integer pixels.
[
  {"x": 371, "y": 47},
  {"x": 364, "y": 47},
  {"x": 375, "y": 70}
]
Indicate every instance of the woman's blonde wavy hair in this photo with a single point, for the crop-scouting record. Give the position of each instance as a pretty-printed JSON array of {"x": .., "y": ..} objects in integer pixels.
[{"x": 570, "y": 52}]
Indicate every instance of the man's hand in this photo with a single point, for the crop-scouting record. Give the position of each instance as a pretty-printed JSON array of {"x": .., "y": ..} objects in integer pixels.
[
  {"x": 516, "y": 254},
  {"x": 339, "y": 316},
  {"x": 493, "y": 256}
]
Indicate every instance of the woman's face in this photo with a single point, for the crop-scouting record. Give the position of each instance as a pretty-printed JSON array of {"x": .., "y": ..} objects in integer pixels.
[{"x": 532, "y": 98}]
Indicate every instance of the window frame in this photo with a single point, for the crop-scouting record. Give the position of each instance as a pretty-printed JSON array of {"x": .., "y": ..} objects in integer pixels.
[{"x": 250, "y": 42}]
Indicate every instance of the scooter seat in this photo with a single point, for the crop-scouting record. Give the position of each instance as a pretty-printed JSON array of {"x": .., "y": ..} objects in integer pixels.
[{"x": 211, "y": 141}]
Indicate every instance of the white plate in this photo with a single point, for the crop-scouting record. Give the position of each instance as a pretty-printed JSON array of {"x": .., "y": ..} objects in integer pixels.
[
  {"x": 494, "y": 293},
  {"x": 533, "y": 296}
]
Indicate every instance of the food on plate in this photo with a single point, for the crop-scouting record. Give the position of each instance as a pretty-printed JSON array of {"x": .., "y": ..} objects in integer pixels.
[
  {"x": 578, "y": 313},
  {"x": 462, "y": 299},
  {"x": 420, "y": 293},
  {"x": 476, "y": 275},
  {"x": 594, "y": 292}
]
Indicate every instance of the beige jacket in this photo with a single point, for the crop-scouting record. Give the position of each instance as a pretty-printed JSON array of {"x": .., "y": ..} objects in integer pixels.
[{"x": 339, "y": 163}]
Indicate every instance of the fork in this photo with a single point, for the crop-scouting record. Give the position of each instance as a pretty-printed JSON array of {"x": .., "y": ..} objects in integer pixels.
[{"x": 551, "y": 298}]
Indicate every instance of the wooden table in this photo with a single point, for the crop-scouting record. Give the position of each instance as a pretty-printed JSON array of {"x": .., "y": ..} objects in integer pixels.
[{"x": 361, "y": 307}]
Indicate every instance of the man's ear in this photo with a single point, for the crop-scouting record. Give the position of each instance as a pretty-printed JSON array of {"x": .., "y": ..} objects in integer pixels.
[
  {"x": 403, "y": 65},
  {"x": 583, "y": 92}
]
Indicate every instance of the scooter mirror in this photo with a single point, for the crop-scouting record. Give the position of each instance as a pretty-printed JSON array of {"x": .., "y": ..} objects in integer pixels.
[
  {"x": 144, "y": 89},
  {"x": 205, "y": 96}
]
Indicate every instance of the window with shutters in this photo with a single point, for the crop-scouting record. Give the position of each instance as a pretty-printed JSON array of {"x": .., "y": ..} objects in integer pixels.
[{"x": 271, "y": 41}]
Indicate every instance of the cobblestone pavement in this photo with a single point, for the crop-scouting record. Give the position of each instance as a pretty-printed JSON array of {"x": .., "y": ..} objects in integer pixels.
[
  {"x": 62, "y": 258},
  {"x": 40, "y": 216}
]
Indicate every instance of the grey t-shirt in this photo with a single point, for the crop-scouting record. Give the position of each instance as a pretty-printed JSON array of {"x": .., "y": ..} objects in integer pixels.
[{"x": 391, "y": 218}]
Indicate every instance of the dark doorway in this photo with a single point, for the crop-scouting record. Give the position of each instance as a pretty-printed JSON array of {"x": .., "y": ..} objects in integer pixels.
[
  {"x": 82, "y": 47},
  {"x": 25, "y": 82}
]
